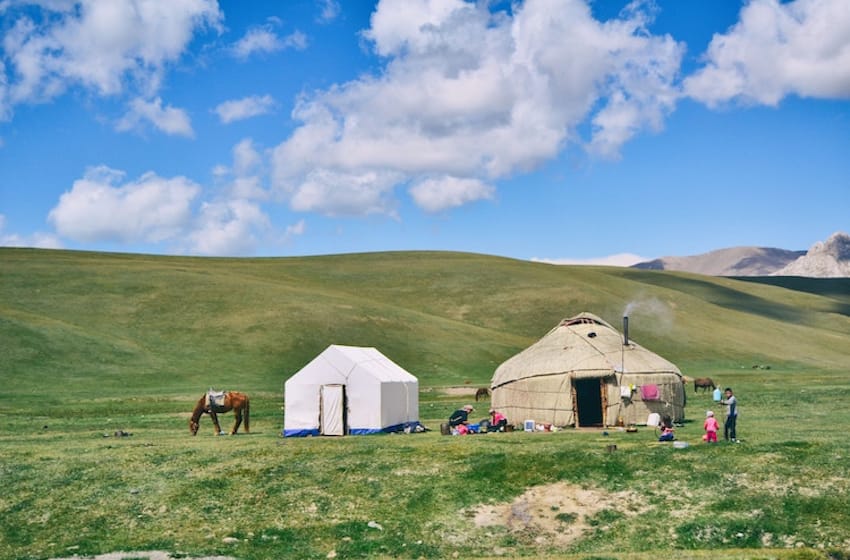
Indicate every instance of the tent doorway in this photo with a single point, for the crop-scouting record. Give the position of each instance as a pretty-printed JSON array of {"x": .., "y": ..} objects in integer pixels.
[
  {"x": 332, "y": 407},
  {"x": 588, "y": 401}
]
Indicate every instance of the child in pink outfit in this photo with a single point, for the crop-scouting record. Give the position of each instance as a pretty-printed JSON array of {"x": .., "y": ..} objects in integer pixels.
[
  {"x": 497, "y": 421},
  {"x": 711, "y": 426}
]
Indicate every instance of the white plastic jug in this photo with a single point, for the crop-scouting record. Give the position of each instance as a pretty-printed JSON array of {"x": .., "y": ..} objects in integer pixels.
[{"x": 653, "y": 419}]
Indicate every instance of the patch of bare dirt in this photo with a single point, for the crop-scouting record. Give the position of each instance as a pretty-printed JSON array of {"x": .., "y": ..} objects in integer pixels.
[
  {"x": 556, "y": 513},
  {"x": 145, "y": 555},
  {"x": 462, "y": 391},
  {"x": 468, "y": 391}
]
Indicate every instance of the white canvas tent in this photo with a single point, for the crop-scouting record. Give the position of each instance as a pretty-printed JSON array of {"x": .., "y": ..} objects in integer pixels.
[
  {"x": 584, "y": 373},
  {"x": 350, "y": 390}
]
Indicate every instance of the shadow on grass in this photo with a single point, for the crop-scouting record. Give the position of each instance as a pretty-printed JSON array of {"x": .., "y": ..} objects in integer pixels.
[
  {"x": 726, "y": 297},
  {"x": 834, "y": 288}
]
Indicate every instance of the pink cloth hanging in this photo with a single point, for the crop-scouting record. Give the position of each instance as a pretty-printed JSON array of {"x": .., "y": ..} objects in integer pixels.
[{"x": 649, "y": 392}]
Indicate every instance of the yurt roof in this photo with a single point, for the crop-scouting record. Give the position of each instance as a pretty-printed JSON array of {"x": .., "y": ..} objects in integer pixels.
[{"x": 582, "y": 346}]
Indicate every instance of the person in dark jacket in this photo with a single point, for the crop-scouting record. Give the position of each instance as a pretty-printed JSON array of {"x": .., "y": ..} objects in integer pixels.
[
  {"x": 460, "y": 416},
  {"x": 731, "y": 424}
]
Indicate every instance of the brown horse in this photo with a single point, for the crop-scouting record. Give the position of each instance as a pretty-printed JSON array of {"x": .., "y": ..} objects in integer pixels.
[
  {"x": 705, "y": 383},
  {"x": 233, "y": 400},
  {"x": 482, "y": 393}
]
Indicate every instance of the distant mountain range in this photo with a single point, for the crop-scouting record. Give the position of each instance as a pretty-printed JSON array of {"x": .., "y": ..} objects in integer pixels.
[{"x": 825, "y": 259}]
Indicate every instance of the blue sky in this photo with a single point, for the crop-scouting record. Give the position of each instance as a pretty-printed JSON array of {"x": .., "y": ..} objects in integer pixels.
[{"x": 558, "y": 130}]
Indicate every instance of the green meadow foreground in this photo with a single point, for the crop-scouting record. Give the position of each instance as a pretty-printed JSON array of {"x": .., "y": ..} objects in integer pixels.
[{"x": 96, "y": 346}]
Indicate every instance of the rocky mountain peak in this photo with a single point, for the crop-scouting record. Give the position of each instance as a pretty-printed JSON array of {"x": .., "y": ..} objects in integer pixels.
[
  {"x": 825, "y": 259},
  {"x": 838, "y": 245}
]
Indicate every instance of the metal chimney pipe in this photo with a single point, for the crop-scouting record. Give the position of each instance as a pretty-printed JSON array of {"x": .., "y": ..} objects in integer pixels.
[{"x": 625, "y": 330}]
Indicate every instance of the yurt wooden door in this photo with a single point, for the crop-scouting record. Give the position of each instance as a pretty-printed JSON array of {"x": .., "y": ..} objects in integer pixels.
[
  {"x": 332, "y": 410},
  {"x": 588, "y": 395}
]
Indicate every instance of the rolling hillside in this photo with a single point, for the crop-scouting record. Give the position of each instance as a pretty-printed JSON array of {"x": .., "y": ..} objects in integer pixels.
[
  {"x": 104, "y": 355},
  {"x": 73, "y": 321}
]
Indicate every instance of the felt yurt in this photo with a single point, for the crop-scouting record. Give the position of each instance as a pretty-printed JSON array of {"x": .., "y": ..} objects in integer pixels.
[
  {"x": 350, "y": 390},
  {"x": 584, "y": 373}
]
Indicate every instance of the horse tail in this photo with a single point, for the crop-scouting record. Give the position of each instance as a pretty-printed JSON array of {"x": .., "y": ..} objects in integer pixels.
[{"x": 247, "y": 415}]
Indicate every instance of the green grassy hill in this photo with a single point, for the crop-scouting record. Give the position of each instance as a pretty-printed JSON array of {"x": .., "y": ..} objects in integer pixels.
[
  {"x": 95, "y": 345},
  {"x": 71, "y": 321}
]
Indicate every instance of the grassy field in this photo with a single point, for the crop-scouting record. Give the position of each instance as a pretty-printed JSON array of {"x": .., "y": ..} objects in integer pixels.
[{"x": 95, "y": 344}]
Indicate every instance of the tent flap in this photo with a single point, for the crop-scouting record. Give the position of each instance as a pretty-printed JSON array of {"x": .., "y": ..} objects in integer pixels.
[{"x": 332, "y": 410}]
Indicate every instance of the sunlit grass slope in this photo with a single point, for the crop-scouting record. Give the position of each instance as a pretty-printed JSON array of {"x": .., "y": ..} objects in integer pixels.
[
  {"x": 73, "y": 321},
  {"x": 94, "y": 344}
]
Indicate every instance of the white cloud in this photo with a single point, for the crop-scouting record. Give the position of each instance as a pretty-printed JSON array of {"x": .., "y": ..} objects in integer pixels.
[
  {"x": 100, "y": 208},
  {"x": 244, "y": 180},
  {"x": 329, "y": 10},
  {"x": 345, "y": 194},
  {"x": 245, "y": 108},
  {"x": 437, "y": 194},
  {"x": 233, "y": 222},
  {"x": 294, "y": 230},
  {"x": 264, "y": 39},
  {"x": 778, "y": 49},
  {"x": 257, "y": 40},
  {"x": 468, "y": 93},
  {"x": 220, "y": 172},
  {"x": 228, "y": 220},
  {"x": 295, "y": 40},
  {"x": 229, "y": 227},
  {"x": 169, "y": 120},
  {"x": 246, "y": 158},
  {"x": 104, "y": 46},
  {"x": 248, "y": 187},
  {"x": 5, "y": 102},
  {"x": 297, "y": 228},
  {"x": 38, "y": 239},
  {"x": 620, "y": 259}
]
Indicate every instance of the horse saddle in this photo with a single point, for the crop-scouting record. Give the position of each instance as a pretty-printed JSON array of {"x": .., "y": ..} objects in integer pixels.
[{"x": 215, "y": 400}]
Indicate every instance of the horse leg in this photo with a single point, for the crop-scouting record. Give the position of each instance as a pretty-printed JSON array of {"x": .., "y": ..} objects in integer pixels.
[
  {"x": 238, "y": 413},
  {"x": 247, "y": 416},
  {"x": 214, "y": 417}
]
